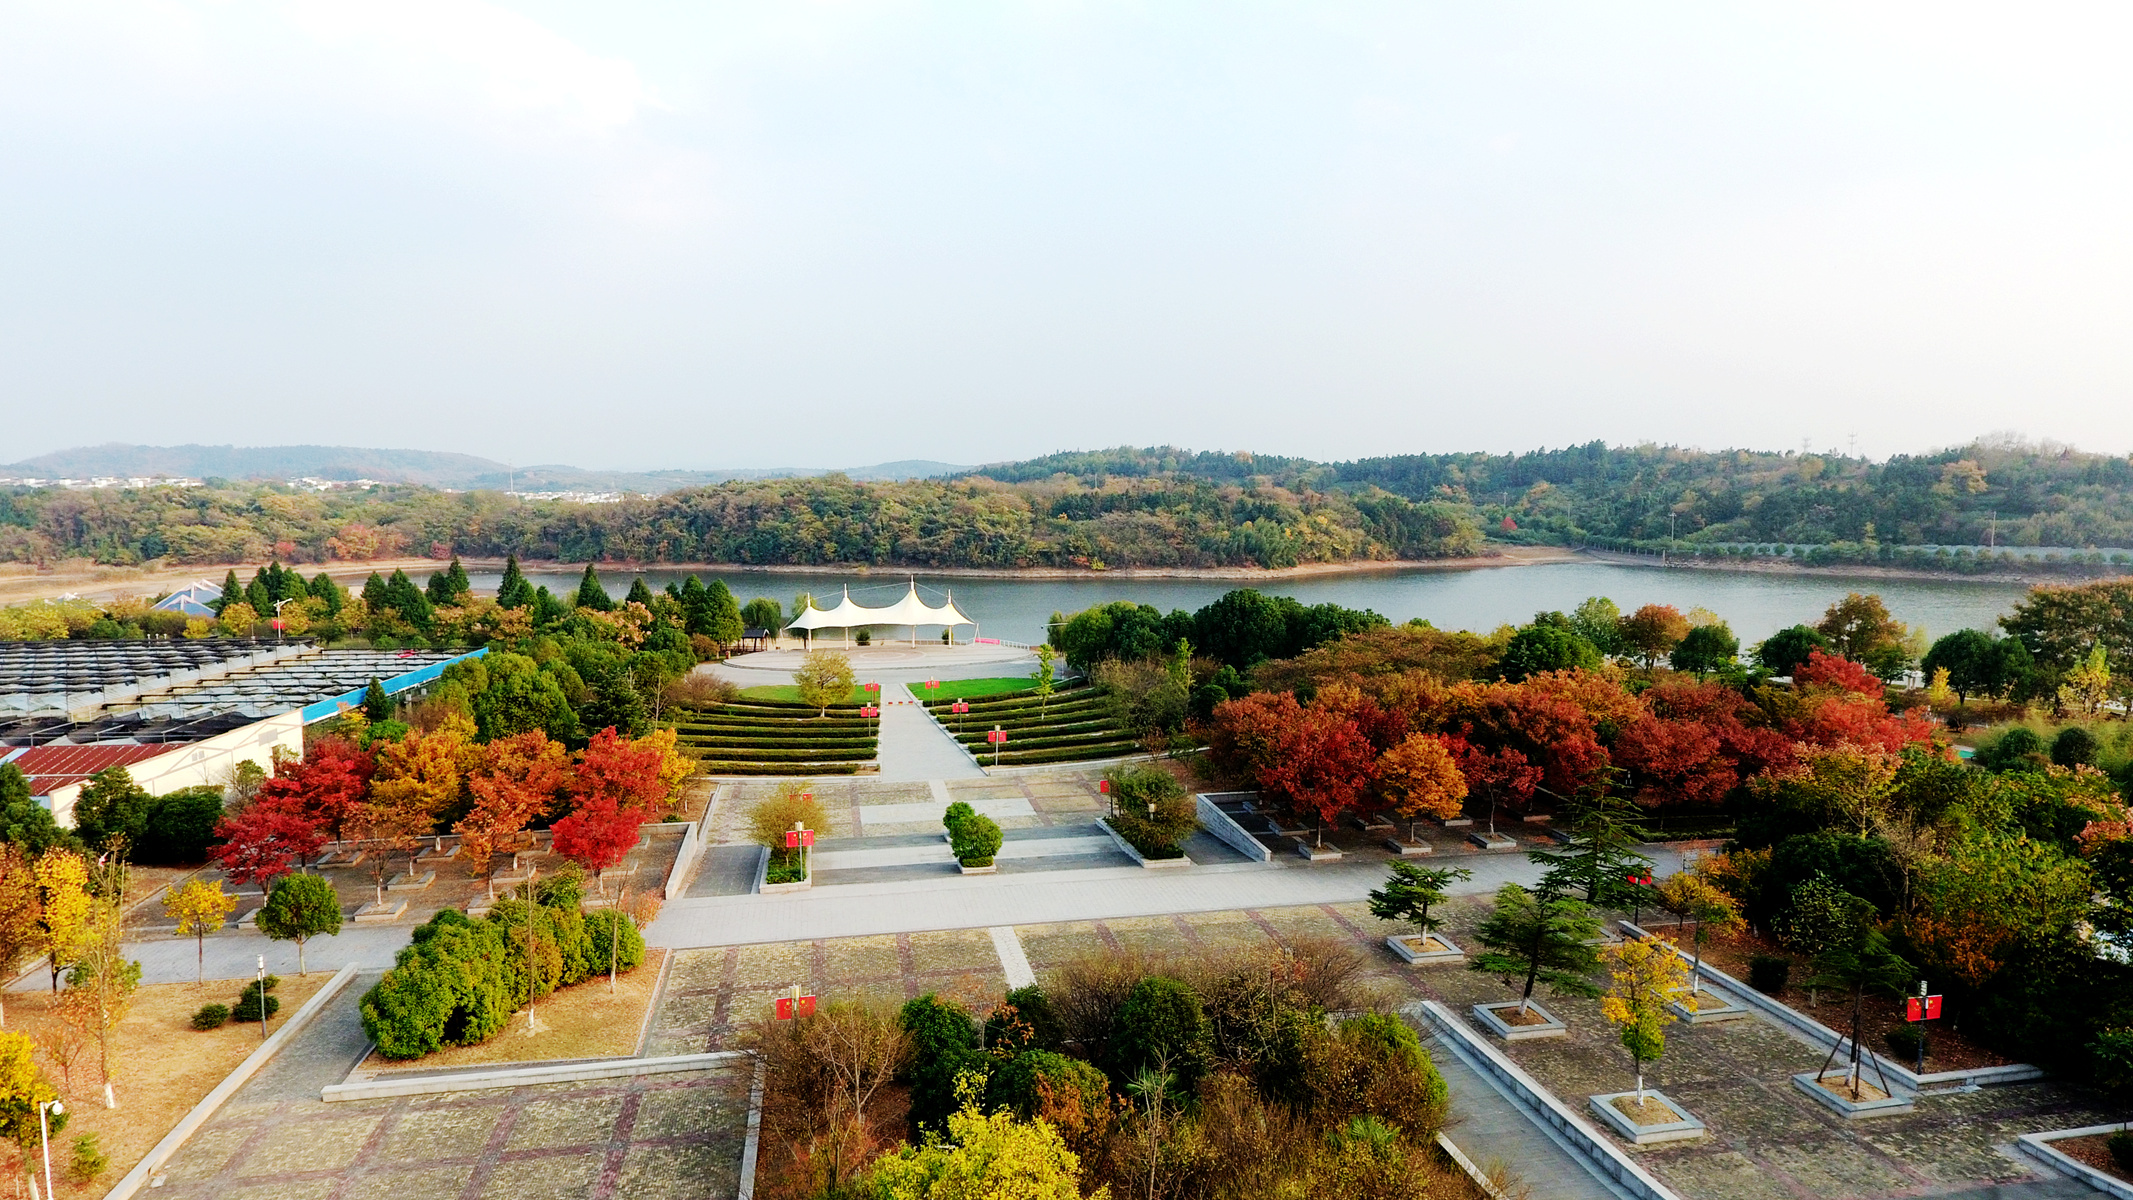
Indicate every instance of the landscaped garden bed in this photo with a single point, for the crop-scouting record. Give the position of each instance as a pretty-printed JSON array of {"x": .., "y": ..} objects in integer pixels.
[
  {"x": 1947, "y": 1047},
  {"x": 775, "y": 738},
  {"x": 1072, "y": 725},
  {"x": 162, "y": 1065},
  {"x": 2094, "y": 1151},
  {"x": 584, "y": 1021}
]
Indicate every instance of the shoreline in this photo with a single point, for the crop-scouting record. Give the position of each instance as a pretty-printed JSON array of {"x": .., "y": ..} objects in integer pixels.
[
  {"x": 1763, "y": 566},
  {"x": 105, "y": 582}
]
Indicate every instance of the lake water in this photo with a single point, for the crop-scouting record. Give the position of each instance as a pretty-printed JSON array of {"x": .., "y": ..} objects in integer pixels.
[{"x": 1754, "y": 604}]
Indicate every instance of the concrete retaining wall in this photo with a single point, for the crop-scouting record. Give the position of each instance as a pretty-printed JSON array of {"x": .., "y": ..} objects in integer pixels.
[
  {"x": 1598, "y": 1154},
  {"x": 1225, "y": 827},
  {"x": 2037, "y": 1147}
]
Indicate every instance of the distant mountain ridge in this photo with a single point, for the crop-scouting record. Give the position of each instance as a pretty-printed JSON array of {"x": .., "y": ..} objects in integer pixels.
[{"x": 430, "y": 467}]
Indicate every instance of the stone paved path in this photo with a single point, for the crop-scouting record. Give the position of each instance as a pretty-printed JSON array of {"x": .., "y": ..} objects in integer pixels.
[
  {"x": 653, "y": 1137},
  {"x": 914, "y": 748},
  {"x": 1492, "y": 1132}
]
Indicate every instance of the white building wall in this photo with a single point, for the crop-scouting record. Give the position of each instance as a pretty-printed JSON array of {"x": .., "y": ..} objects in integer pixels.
[{"x": 202, "y": 762}]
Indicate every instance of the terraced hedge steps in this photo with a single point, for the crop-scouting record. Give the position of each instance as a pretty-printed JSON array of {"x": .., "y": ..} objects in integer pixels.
[
  {"x": 1077, "y": 724},
  {"x": 764, "y": 737}
]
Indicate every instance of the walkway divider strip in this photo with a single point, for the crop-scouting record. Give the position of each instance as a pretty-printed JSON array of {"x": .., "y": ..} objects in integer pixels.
[
  {"x": 144, "y": 1171},
  {"x": 1014, "y": 962},
  {"x": 477, "y": 1081}
]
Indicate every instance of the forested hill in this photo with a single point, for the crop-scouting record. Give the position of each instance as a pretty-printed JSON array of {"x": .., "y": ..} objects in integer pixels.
[
  {"x": 1137, "y": 507},
  {"x": 2013, "y": 493}
]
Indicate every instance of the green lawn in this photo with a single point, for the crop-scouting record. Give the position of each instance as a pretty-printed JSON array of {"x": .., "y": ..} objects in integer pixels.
[
  {"x": 786, "y": 693},
  {"x": 964, "y": 689}
]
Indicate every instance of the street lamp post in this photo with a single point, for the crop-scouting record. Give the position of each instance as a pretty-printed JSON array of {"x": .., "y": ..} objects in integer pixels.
[
  {"x": 277, "y": 620},
  {"x": 44, "y": 1134}
]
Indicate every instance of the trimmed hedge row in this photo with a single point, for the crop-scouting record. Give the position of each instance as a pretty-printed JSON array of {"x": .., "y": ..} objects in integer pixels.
[
  {"x": 790, "y": 756},
  {"x": 796, "y": 726},
  {"x": 723, "y": 767},
  {"x": 780, "y": 743},
  {"x": 1052, "y": 729},
  {"x": 1043, "y": 743},
  {"x": 460, "y": 980},
  {"x": 1077, "y": 754},
  {"x": 1058, "y": 700},
  {"x": 974, "y": 721}
]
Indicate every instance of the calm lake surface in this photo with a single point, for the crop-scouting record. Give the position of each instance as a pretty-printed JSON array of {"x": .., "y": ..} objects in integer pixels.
[{"x": 1480, "y": 599}]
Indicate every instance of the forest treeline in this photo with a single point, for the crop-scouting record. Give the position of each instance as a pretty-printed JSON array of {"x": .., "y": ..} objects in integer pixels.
[{"x": 1156, "y": 507}]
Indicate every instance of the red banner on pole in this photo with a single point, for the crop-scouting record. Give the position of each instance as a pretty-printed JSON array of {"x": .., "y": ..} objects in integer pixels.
[
  {"x": 790, "y": 1007},
  {"x": 1103, "y": 786},
  {"x": 1921, "y": 1008}
]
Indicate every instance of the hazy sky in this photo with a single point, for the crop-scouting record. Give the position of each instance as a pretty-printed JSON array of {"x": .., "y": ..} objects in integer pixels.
[{"x": 687, "y": 234}]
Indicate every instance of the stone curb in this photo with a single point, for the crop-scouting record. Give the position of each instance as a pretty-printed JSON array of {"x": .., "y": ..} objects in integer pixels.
[
  {"x": 1126, "y": 848},
  {"x": 190, "y": 1123},
  {"x": 1598, "y": 1155},
  {"x": 1479, "y": 1177},
  {"x": 2037, "y": 1147},
  {"x": 431, "y": 1085},
  {"x": 1225, "y": 828}
]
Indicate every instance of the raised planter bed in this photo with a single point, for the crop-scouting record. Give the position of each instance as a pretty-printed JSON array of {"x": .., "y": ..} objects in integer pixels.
[
  {"x": 1311, "y": 853},
  {"x": 2038, "y": 1148},
  {"x": 1493, "y": 841},
  {"x": 1409, "y": 849},
  {"x": 411, "y": 883},
  {"x": 1416, "y": 948},
  {"x": 1374, "y": 824},
  {"x": 340, "y": 858},
  {"x": 762, "y": 876},
  {"x": 1130, "y": 851},
  {"x": 991, "y": 868},
  {"x": 1538, "y": 1023},
  {"x": 1711, "y": 1008},
  {"x": 1679, "y": 1126},
  {"x": 375, "y": 913},
  {"x": 1456, "y": 822},
  {"x": 1836, "y": 1094}
]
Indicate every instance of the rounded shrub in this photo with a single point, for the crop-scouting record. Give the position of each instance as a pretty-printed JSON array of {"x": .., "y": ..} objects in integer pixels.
[
  {"x": 211, "y": 1016},
  {"x": 179, "y": 826},
  {"x": 2121, "y": 1147},
  {"x": 611, "y": 933},
  {"x": 1025, "y": 1020},
  {"x": 2016, "y": 749},
  {"x": 1161, "y": 1026},
  {"x": 2074, "y": 747},
  {"x": 944, "y": 1043},
  {"x": 1023, "y": 1083},
  {"x": 89, "y": 1160},
  {"x": 975, "y": 840},
  {"x": 1769, "y": 973},
  {"x": 1906, "y": 1041},
  {"x": 957, "y": 813}
]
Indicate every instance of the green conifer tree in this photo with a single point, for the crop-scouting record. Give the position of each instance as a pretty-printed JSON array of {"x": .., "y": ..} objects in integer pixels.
[
  {"x": 232, "y": 591},
  {"x": 639, "y": 593},
  {"x": 591, "y": 595},
  {"x": 513, "y": 591}
]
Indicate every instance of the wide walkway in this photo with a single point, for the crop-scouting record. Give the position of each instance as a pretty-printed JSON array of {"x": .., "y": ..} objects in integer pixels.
[
  {"x": 1042, "y": 898},
  {"x": 913, "y": 746},
  {"x": 884, "y": 662},
  {"x": 1494, "y": 1132}
]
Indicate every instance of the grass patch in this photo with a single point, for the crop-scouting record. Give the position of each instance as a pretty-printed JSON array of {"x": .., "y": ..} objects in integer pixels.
[
  {"x": 964, "y": 689},
  {"x": 786, "y": 693},
  {"x": 581, "y": 1021},
  {"x": 161, "y": 1066}
]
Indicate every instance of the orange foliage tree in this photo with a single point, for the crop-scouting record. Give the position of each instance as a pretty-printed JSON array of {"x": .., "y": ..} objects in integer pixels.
[
  {"x": 1421, "y": 778},
  {"x": 519, "y": 779}
]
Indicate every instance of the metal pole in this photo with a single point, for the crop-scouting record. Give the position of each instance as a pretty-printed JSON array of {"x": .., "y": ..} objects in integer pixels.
[
  {"x": 44, "y": 1134},
  {"x": 262, "y": 997}
]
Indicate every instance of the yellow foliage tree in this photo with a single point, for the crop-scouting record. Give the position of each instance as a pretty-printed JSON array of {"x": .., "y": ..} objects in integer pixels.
[
  {"x": 22, "y": 1088},
  {"x": 199, "y": 908},
  {"x": 824, "y": 678},
  {"x": 238, "y": 619},
  {"x": 1421, "y": 778},
  {"x": 1643, "y": 977},
  {"x": 675, "y": 768},
  {"x": 2088, "y": 686},
  {"x": 984, "y": 1158},
  {"x": 1695, "y": 898},
  {"x": 63, "y": 893}
]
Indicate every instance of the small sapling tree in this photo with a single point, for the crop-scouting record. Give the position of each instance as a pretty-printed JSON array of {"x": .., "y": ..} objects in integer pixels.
[
  {"x": 199, "y": 908},
  {"x": 1860, "y": 964},
  {"x": 1539, "y": 938},
  {"x": 1694, "y": 898},
  {"x": 824, "y": 678},
  {"x": 1410, "y": 893},
  {"x": 1643, "y": 977},
  {"x": 301, "y": 907}
]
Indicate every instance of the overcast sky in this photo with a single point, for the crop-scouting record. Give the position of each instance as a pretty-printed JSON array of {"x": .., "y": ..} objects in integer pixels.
[{"x": 636, "y": 233}]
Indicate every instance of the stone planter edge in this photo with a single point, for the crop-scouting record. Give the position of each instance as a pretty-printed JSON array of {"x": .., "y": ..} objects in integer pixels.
[{"x": 1686, "y": 1129}]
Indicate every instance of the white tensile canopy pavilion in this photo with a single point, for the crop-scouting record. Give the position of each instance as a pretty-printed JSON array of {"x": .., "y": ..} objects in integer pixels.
[{"x": 909, "y": 610}]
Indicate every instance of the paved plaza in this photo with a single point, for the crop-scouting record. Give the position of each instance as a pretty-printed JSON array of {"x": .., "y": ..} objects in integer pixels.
[{"x": 647, "y": 1138}]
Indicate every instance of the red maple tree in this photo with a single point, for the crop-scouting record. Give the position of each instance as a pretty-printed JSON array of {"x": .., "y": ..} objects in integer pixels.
[
  {"x": 1502, "y": 775},
  {"x": 1836, "y": 672},
  {"x": 615, "y": 789},
  {"x": 259, "y": 842},
  {"x": 520, "y": 777},
  {"x": 330, "y": 782},
  {"x": 1245, "y": 733},
  {"x": 1323, "y": 765}
]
